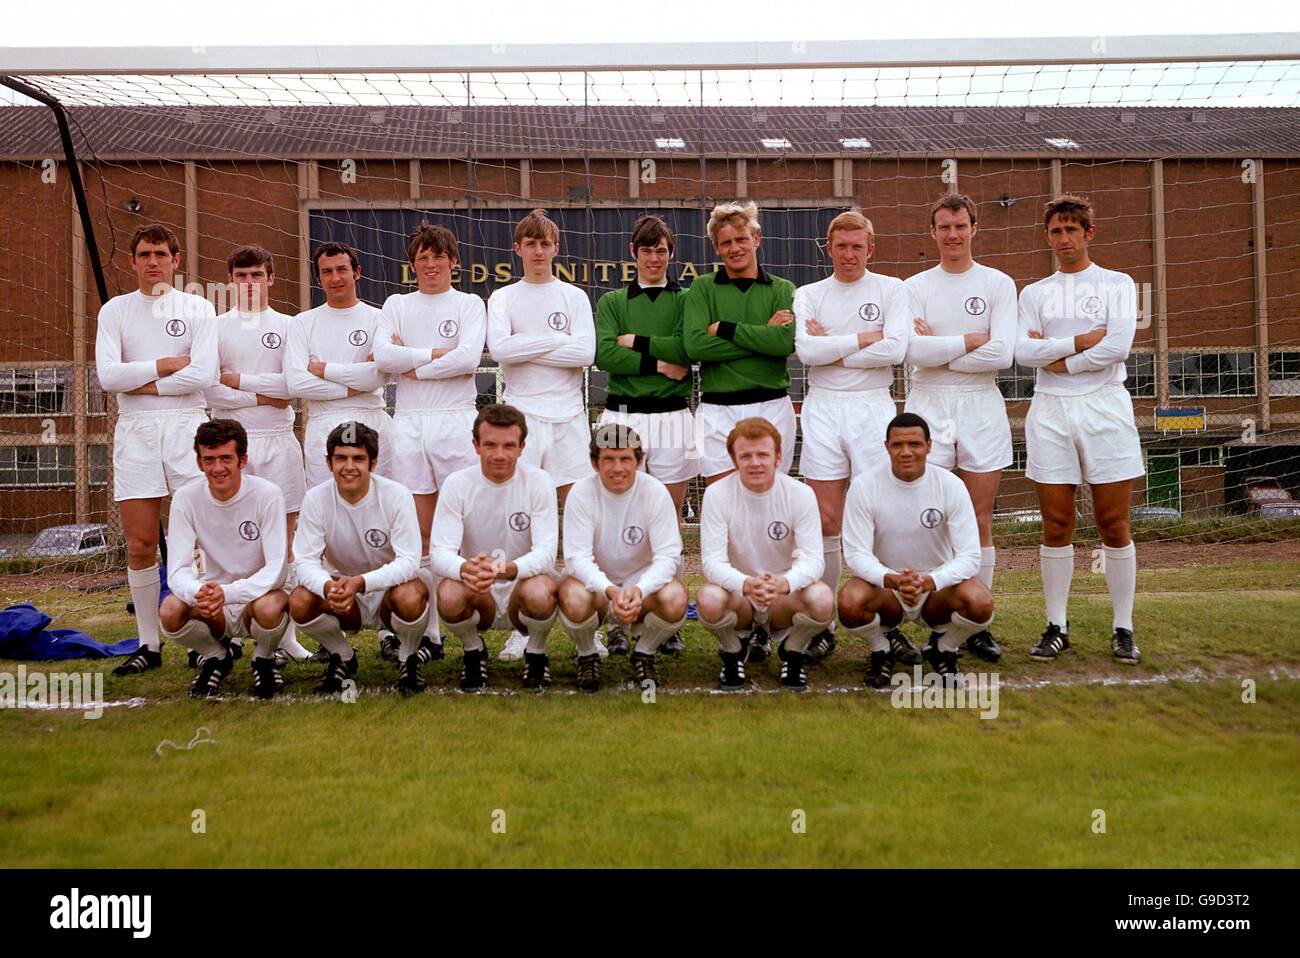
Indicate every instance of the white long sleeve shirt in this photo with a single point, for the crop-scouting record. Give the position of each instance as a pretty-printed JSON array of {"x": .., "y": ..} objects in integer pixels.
[
  {"x": 451, "y": 320},
  {"x": 608, "y": 538},
  {"x": 543, "y": 336},
  {"x": 135, "y": 331},
  {"x": 745, "y": 533},
  {"x": 927, "y": 524},
  {"x": 1065, "y": 305},
  {"x": 980, "y": 300},
  {"x": 252, "y": 345},
  {"x": 513, "y": 521},
  {"x": 872, "y": 304},
  {"x": 378, "y": 538},
  {"x": 239, "y": 544},
  {"x": 341, "y": 339}
]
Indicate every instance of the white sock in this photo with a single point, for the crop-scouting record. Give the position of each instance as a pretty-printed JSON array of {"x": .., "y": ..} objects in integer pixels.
[
  {"x": 725, "y": 630},
  {"x": 874, "y": 634},
  {"x": 326, "y": 630},
  {"x": 431, "y": 582},
  {"x": 538, "y": 630},
  {"x": 145, "y": 592},
  {"x": 1057, "y": 563},
  {"x": 681, "y": 568},
  {"x": 582, "y": 634},
  {"x": 268, "y": 640},
  {"x": 289, "y": 642},
  {"x": 802, "y": 629},
  {"x": 1121, "y": 580},
  {"x": 653, "y": 632},
  {"x": 467, "y": 631},
  {"x": 196, "y": 635},
  {"x": 409, "y": 634},
  {"x": 958, "y": 631},
  {"x": 988, "y": 560},
  {"x": 834, "y": 556}
]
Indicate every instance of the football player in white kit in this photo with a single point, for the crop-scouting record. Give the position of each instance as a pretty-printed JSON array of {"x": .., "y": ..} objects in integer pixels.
[
  {"x": 358, "y": 558},
  {"x": 252, "y": 390},
  {"x": 850, "y": 330},
  {"x": 965, "y": 331},
  {"x": 622, "y": 547},
  {"x": 912, "y": 544},
  {"x": 431, "y": 340},
  {"x": 329, "y": 361},
  {"x": 226, "y": 563},
  {"x": 493, "y": 547},
  {"x": 156, "y": 348},
  {"x": 542, "y": 333},
  {"x": 761, "y": 546},
  {"x": 1077, "y": 328}
]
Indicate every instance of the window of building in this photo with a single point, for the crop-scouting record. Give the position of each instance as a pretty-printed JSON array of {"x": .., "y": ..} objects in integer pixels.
[
  {"x": 47, "y": 391},
  {"x": 29, "y": 467},
  {"x": 1284, "y": 373},
  {"x": 1141, "y": 379},
  {"x": 1193, "y": 375},
  {"x": 1201, "y": 457}
]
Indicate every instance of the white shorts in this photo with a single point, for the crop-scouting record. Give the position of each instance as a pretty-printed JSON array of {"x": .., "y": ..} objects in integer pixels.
[
  {"x": 1091, "y": 437},
  {"x": 713, "y": 424},
  {"x": 911, "y": 613},
  {"x": 668, "y": 438},
  {"x": 560, "y": 449},
  {"x": 153, "y": 453},
  {"x": 969, "y": 429},
  {"x": 501, "y": 593},
  {"x": 319, "y": 428},
  {"x": 843, "y": 432},
  {"x": 276, "y": 456},
  {"x": 428, "y": 446}
]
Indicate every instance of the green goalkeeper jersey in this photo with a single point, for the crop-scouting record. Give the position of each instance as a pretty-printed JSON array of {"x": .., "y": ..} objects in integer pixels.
[
  {"x": 746, "y": 360},
  {"x": 654, "y": 316}
]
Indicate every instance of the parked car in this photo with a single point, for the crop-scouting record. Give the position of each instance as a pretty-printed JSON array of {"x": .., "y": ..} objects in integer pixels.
[
  {"x": 1266, "y": 498},
  {"x": 70, "y": 541},
  {"x": 1156, "y": 513}
]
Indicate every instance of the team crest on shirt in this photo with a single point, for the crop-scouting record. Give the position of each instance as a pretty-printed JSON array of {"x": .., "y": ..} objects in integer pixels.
[
  {"x": 358, "y": 337},
  {"x": 248, "y": 530},
  {"x": 931, "y": 517},
  {"x": 1090, "y": 305},
  {"x": 520, "y": 521},
  {"x": 558, "y": 321},
  {"x": 633, "y": 535},
  {"x": 175, "y": 327},
  {"x": 777, "y": 530},
  {"x": 271, "y": 340},
  {"x": 376, "y": 538},
  {"x": 448, "y": 328},
  {"x": 976, "y": 306},
  {"x": 869, "y": 311}
]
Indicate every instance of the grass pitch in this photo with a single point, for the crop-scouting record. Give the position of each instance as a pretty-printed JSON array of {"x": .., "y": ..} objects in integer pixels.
[{"x": 1184, "y": 771}]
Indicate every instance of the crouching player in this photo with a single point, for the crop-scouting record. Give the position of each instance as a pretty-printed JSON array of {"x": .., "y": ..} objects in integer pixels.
[
  {"x": 761, "y": 545},
  {"x": 226, "y": 563},
  {"x": 622, "y": 547},
  {"x": 493, "y": 545},
  {"x": 358, "y": 560},
  {"x": 913, "y": 546}
]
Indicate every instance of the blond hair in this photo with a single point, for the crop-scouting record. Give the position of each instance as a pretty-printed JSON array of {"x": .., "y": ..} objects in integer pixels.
[
  {"x": 733, "y": 214},
  {"x": 850, "y": 220}
]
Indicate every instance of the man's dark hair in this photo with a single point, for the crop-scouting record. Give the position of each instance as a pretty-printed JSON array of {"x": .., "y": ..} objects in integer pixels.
[
  {"x": 648, "y": 231},
  {"x": 430, "y": 237},
  {"x": 246, "y": 257},
  {"x": 218, "y": 432},
  {"x": 613, "y": 435},
  {"x": 501, "y": 415},
  {"x": 908, "y": 420},
  {"x": 156, "y": 233},
  {"x": 333, "y": 249},
  {"x": 353, "y": 433},
  {"x": 953, "y": 202}
]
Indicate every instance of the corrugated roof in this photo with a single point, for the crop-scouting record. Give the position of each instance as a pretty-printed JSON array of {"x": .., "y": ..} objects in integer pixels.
[{"x": 231, "y": 132}]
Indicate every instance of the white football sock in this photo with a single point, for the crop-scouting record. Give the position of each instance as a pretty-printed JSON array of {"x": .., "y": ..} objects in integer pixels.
[
  {"x": 988, "y": 561},
  {"x": 196, "y": 635},
  {"x": 1121, "y": 580},
  {"x": 725, "y": 630},
  {"x": 431, "y": 582},
  {"x": 409, "y": 634},
  {"x": 1057, "y": 564},
  {"x": 268, "y": 640},
  {"x": 653, "y": 632},
  {"x": 289, "y": 642},
  {"x": 582, "y": 634},
  {"x": 958, "y": 631},
  {"x": 327, "y": 630},
  {"x": 802, "y": 629},
  {"x": 467, "y": 631},
  {"x": 834, "y": 556},
  {"x": 538, "y": 630},
  {"x": 874, "y": 634},
  {"x": 145, "y": 592}
]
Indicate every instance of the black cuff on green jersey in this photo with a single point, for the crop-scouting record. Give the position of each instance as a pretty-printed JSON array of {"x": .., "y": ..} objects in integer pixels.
[
  {"x": 649, "y": 365},
  {"x": 727, "y": 331},
  {"x": 641, "y": 344}
]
